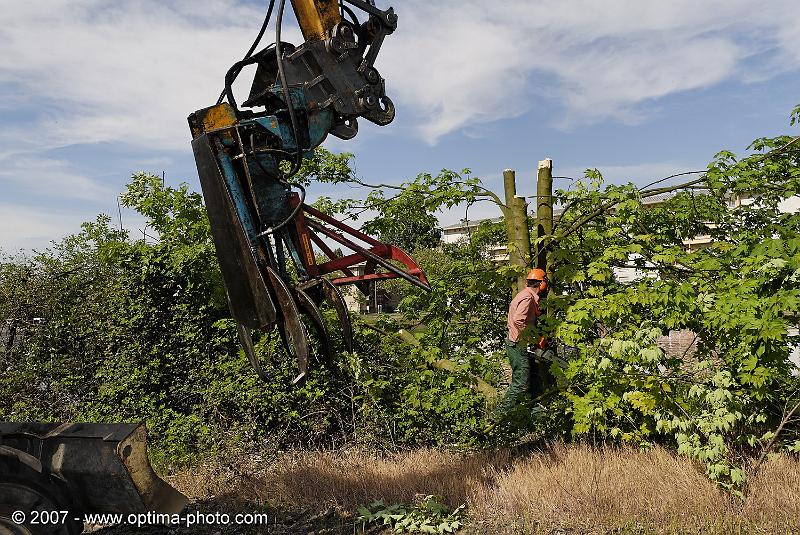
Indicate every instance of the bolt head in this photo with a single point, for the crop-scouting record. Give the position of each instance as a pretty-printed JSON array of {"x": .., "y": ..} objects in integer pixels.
[{"x": 372, "y": 76}]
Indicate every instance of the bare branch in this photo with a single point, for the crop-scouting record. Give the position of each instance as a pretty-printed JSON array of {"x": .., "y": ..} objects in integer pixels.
[
  {"x": 602, "y": 209},
  {"x": 787, "y": 417}
]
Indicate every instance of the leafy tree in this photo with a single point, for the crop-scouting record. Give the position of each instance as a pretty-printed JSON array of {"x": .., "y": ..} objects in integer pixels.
[
  {"x": 723, "y": 400},
  {"x": 405, "y": 222}
]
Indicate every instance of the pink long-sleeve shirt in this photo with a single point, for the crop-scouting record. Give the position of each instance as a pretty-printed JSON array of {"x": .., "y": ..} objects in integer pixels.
[{"x": 522, "y": 311}]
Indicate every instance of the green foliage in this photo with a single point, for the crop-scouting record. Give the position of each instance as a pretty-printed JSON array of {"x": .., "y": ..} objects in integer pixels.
[
  {"x": 140, "y": 331},
  {"x": 325, "y": 166},
  {"x": 430, "y": 516},
  {"x": 404, "y": 223},
  {"x": 407, "y": 217},
  {"x": 133, "y": 330},
  {"x": 410, "y": 398},
  {"x": 721, "y": 400}
]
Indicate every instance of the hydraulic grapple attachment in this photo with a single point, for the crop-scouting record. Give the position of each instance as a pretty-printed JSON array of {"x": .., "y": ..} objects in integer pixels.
[
  {"x": 267, "y": 239},
  {"x": 272, "y": 275}
]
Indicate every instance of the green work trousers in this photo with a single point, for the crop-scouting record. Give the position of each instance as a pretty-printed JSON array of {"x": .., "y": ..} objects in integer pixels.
[{"x": 522, "y": 381}]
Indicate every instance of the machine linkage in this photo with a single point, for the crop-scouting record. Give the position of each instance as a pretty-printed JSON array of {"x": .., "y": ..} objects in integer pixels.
[{"x": 267, "y": 239}]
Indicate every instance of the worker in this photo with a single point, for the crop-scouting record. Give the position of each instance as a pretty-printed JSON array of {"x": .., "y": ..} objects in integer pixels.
[{"x": 522, "y": 312}]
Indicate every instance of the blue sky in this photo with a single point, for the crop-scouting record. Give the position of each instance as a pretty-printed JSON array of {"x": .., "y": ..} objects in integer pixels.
[{"x": 94, "y": 90}]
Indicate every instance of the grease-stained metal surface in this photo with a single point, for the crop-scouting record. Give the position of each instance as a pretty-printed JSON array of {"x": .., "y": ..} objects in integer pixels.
[
  {"x": 248, "y": 296},
  {"x": 316, "y": 17},
  {"x": 307, "y": 305},
  {"x": 294, "y": 334},
  {"x": 104, "y": 466},
  {"x": 211, "y": 119}
]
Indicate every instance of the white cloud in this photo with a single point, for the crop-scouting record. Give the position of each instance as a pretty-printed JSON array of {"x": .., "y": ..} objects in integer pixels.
[
  {"x": 28, "y": 228},
  {"x": 611, "y": 80},
  {"x": 36, "y": 228},
  {"x": 96, "y": 70},
  {"x": 467, "y": 61},
  {"x": 44, "y": 177}
]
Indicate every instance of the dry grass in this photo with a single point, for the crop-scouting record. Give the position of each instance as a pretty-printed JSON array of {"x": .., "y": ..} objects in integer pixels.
[
  {"x": 576, "y": 488},
  {"x": 572, "y": 489}
]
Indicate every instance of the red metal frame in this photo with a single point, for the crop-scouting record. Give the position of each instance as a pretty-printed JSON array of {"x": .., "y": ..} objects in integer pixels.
[{"x": 377, "y": 254}]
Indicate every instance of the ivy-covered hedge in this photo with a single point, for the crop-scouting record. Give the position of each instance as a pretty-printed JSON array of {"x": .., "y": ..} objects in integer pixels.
[{"x": 140, "y": 331}]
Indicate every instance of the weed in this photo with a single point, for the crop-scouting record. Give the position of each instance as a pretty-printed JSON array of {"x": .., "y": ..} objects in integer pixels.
[{"x": 430, "y": 516}]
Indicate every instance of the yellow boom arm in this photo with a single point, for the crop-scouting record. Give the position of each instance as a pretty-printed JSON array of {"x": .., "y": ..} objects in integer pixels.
[{"x": 317, "y": 17}]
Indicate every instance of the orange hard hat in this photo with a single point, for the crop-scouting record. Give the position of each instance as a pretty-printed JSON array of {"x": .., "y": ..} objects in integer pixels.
[{"x": 537, "y": 274}]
